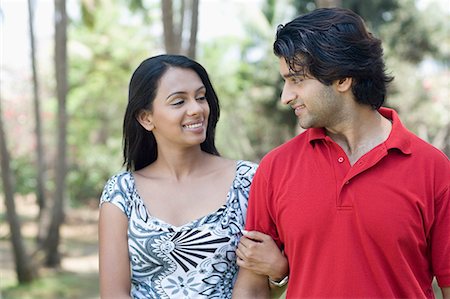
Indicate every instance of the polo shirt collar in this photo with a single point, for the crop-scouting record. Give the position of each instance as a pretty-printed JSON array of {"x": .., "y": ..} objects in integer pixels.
[{"x": 399, "y": 138}]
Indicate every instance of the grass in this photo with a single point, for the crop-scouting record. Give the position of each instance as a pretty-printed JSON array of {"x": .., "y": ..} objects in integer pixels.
[
  {"x": 56, "y": 285},
  {"x": 77, "y": 278}
]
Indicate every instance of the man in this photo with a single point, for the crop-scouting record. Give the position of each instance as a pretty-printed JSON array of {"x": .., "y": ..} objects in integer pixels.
[{"x": 359, "y": 204}]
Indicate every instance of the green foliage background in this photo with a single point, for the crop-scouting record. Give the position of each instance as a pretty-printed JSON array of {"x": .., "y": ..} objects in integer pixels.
[{"x": 108, "y": 39}]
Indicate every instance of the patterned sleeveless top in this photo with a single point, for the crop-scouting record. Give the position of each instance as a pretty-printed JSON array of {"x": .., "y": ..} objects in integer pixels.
[{"x": 196, "y": 260}]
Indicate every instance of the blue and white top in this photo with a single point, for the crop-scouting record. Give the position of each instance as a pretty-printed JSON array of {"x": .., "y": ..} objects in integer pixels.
[{"x": 196, "y": 260}]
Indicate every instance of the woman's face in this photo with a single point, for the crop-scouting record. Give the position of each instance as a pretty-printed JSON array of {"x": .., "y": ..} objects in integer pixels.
[{"x": 180, "y": 111}]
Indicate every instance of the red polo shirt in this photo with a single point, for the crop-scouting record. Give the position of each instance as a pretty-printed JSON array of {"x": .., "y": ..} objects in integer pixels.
[{"x": 379, "y": 228}]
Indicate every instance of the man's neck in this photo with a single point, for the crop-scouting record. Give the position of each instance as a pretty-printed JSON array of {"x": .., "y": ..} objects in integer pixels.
[{"x": 360, "y": 133}]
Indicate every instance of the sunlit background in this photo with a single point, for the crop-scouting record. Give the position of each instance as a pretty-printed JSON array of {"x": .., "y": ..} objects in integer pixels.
[{"x": 108, "y": 39}]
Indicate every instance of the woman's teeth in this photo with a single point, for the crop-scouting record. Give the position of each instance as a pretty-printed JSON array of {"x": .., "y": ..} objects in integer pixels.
[{"x": 193, "y": 126}]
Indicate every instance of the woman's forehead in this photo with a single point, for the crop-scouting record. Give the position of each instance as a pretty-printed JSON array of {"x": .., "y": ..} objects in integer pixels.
[{"x": 176, "y": 78}]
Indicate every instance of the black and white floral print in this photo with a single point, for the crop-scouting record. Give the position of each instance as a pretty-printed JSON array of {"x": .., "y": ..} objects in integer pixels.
[{"x": 196, "y": 260}]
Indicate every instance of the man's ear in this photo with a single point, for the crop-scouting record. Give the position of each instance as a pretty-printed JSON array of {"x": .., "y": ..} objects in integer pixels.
[
  {"x": 144, "y": 117},
  {"x": 344, "y": 84}
]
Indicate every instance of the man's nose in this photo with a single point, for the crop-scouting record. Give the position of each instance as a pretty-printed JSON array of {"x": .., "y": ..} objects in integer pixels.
[{"x": 287, "y": 95}]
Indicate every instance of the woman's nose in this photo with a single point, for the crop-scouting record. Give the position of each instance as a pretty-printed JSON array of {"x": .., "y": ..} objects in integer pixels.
[{"x": 194, "y": 107}]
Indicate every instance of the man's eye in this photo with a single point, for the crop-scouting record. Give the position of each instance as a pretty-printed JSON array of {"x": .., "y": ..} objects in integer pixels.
[{"x": 296, "y": 80}]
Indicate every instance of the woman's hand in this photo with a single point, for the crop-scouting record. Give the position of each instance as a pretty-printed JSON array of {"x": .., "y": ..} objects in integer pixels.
[{"x": 257, "y": 252}]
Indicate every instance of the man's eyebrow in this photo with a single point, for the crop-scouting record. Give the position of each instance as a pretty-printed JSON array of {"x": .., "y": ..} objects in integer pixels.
[{"x": 291, "y": 74}]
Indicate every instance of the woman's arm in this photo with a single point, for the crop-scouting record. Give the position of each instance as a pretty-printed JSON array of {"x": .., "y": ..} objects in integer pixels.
[
  {"x": 114, "y": 262},
  {"x": 250, "y": 285}
]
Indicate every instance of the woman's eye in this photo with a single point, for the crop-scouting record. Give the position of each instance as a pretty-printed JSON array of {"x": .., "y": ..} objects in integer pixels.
[
  {"x": 177, "y": 102},
  {"x": 201, "y": 98}
]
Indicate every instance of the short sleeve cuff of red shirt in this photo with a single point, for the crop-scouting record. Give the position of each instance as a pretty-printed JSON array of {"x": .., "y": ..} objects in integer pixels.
[{"x": 443, "y": 280}]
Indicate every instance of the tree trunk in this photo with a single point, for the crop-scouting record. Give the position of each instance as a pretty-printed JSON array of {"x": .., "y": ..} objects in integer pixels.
[
  {"x": 24, "y": 269},
  {"x": 40, "y": 177},
  {"x": 178, "y": 26},
  {"x": 168, "y": 27},
  {"x": 53, "y": 257},
  {"x": 329, "y": 3},
  {"x": 194, "y": 28},
  {"x": 173, "y": 27}
]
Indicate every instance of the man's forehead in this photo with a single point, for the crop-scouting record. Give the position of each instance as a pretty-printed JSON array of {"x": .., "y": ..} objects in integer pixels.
[{"x": 287, "y": 70}]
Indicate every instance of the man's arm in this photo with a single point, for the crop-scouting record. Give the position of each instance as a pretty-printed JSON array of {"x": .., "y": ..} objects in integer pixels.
[
  {"x": 250, "y": 285},
  {"x": 445, "y": 292}
]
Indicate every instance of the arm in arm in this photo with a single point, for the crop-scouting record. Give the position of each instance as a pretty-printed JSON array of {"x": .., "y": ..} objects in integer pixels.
[
  {"x": 259, "y": 253},
  {"x": 114, "y": 264}
]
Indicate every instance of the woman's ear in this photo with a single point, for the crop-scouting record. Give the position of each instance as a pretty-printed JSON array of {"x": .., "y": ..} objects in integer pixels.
[
  {"x": 144, "y": 117},
  {"x": 344, "y": 84}
]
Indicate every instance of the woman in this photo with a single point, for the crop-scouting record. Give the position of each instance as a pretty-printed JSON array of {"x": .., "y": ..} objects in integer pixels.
[{"x": 169, "y": 226}]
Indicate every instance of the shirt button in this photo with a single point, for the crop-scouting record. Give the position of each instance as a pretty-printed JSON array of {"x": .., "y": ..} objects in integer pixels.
[{"x": 340, "y": 159}]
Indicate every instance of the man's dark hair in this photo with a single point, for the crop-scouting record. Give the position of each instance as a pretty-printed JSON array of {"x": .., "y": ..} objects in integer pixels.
[{"x": 332, "y": 44}]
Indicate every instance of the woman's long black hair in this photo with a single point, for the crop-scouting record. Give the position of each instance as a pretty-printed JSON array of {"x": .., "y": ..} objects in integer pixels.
[{"x": 139, "y": 145}]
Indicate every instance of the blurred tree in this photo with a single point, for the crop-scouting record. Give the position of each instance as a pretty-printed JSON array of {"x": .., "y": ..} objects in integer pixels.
[
  {"x": 244, "y": 72},
  {"x": 24, "y": 268},
  {"x": 53, "y": 257},
  {"x": 174, "y": 26},
  {"x": 41, "y": 169},
  {"x": 399, "y": 25},
  {"x": 180, "y": 23},
  {"x": 101, "y": 64},
  {"x": 192, "y": 45},
  {"x": 329, "y": 3}
]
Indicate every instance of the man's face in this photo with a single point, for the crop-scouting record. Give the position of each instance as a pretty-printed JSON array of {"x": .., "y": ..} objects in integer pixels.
[{"x": 314, "y": 103}]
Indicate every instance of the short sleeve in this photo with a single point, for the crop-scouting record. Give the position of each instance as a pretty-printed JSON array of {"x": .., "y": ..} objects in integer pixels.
[
  {"x": 440, "y": 242},
  {"x": 259, "y": 214},
  {"x": 245, "y": 171},
  {"x": 118, "y": 191},
  {"x": 239, "y": 194}
]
